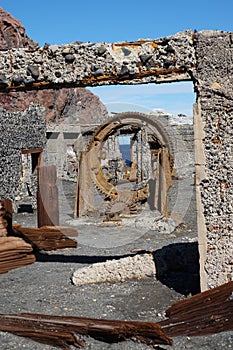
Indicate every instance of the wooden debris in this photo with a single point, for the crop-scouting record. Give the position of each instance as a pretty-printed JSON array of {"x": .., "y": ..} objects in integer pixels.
[
  {"x": 47, "y": 237},
  {"x": 14, "y": 253},
  {"x": 47, "y": 198},
  {"x": 205, "y": 313},
  {"x": 17, "y": 250},
  {"x": 63, "y": 331}
]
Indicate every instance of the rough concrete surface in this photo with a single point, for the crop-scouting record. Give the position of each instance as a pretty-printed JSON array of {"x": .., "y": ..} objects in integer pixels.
[{"x": 131, "y": 267}]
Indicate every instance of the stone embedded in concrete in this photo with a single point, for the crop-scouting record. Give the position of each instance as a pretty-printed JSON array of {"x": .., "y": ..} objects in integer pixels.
[
  {"x": 3, "y": 81},
  {"x": 70, "y": 58},
  {"x": 173, "y": 59},
  {"x": 16, "y": 134},
  {"x": 33, "y": 71}
]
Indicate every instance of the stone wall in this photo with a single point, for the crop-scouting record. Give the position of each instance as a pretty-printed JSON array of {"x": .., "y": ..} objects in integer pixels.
[
  {"x": 206, "y": 59},
  {"x": 16, "y": 134},
  {"x": 180, "y": 130}
]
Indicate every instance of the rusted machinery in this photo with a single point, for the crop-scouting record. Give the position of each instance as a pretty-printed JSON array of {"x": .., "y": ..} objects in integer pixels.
[{"x": 120, "y": 200}]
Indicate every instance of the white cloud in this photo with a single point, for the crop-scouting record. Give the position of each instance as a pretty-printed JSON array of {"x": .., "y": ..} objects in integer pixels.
[{"x": 174, "y": 98}]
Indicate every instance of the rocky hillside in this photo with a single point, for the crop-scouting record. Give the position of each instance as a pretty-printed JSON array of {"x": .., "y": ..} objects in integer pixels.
[
  {"x": 78, "y": 105},
  {"x": 12, "y": 33},
  {"x": 71, "y": 106}
]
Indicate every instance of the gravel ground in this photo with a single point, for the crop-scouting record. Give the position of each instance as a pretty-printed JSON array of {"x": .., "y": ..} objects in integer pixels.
[{"x": 45, "y": 286}]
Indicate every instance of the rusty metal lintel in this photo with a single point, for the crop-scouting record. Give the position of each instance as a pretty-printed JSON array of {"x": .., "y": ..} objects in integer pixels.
[{"x": 160, "y": 75}]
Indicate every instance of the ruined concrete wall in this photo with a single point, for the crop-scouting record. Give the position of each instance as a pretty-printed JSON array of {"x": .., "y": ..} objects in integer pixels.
[
  {"x": 17, "y": 133},
  {"x": 181, "y": 196},
  {"x": 180, "y": 130},
  {"x": 60, "y": 138},
  {"x": 206, "y": 58},
  {"x": 214, "y": 76}
]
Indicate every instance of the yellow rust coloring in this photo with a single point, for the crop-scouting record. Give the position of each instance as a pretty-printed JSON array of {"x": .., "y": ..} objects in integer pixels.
[{"x": 135, "y": 44}]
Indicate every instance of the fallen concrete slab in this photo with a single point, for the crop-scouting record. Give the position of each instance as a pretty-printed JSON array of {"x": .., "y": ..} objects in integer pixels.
[{"x": 131, "y": 267}]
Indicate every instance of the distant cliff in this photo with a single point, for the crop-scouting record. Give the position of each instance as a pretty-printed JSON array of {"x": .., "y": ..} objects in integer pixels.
[
  {"x": 12, "y": 33},
  {"x": 71, "y": 106}
]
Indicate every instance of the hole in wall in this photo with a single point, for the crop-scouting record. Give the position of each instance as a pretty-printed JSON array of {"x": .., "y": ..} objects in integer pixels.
[
  {"x": 171, "y": 104},
  {"x": 164, "y": 105},
  {"x": 162, "y": 100}
]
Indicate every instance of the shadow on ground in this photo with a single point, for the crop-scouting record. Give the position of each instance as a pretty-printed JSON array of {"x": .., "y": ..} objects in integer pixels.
[
  {"x": 78, "y": 259},
  {"x": 177, "y": 265}
]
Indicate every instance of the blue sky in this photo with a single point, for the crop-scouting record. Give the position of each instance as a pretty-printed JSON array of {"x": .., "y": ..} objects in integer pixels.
[{"x": 59, "y": 21}]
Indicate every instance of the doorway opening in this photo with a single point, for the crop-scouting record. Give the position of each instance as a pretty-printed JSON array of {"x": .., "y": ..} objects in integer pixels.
[{"x": 25, "y": 201}]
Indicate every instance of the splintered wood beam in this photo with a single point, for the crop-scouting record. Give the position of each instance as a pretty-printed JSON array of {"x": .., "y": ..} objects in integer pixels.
[
  {"x": 205, "y": 313},
  {"x": 64, "y": 331},
  {"x": 47, "y": 237}
]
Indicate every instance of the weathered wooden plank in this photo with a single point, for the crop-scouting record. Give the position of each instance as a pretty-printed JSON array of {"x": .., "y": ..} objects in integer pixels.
[
  {"x": 205, "y": 313},
  {"x": 61, "y": 330},
  {"x": 13, "y": 243},
  {"x": 210, "y": 297},
  {"x": 47, "y": 237},
  {"x": 32, "y": 150},
  {"x": 14, "y": 253},
  {"x": 47, "y": 206},
  {"x": 16, "y": 261}
]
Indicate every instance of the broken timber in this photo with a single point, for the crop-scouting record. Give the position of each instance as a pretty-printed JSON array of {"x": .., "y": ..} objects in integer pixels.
[
  {"x": 47, "y": 237},
  {"x": 205, "y": 313},
  {"x": 14, "y": 252},
  {"x": 17, "y": 250},
  {"x": 61, "y": 330}
]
